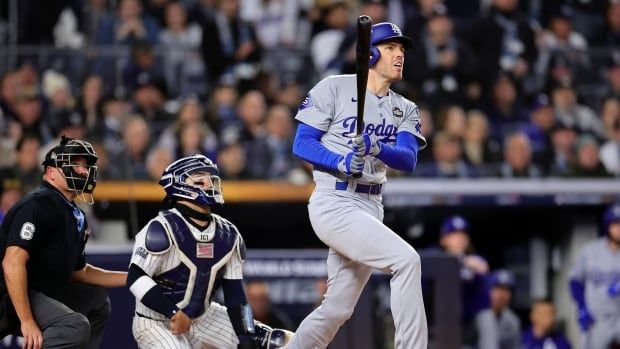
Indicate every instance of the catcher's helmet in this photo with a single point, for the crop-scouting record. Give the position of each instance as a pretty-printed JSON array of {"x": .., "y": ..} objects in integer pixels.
[
  {"x": 611, "y": 215},
  {"x": 175, "y": 181},
  {"x": 382, "y": 32},
  {"x": 64, "y": 155}
]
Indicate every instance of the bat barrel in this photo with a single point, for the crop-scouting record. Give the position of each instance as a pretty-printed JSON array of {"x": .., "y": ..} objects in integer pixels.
[{"x": 362, "y": 62}]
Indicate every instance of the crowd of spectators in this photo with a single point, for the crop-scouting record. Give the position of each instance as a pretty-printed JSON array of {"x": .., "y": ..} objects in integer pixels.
[{"x": 505, "y": 88}]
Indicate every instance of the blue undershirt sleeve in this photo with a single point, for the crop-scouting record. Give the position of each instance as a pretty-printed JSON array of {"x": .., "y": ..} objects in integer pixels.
[
  {"x": 307, "y": 145},
  {"x": 577, "y": 290},
  {"x": 402, "y": 156}
]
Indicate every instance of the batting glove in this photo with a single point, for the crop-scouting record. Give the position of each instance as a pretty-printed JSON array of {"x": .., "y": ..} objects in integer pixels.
[
  {"x": 585, "y": 319},
  {"x": 351, "y": 164},
  {"x": 366, "y": 144},
  {"x": 614, "y": 289}
]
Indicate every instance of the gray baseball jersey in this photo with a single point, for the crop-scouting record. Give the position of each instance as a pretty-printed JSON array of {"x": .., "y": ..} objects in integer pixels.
[
  {"x": 599, "y": 269},
  {"x": 350, "y": 222},
  {"x": 498, "y": 332},
  {"x": 212, "y": 328},
  {"x": 331, "y": 106}
]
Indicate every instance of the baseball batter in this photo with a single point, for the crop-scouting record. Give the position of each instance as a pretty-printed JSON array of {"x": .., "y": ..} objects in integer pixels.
[
  {"x": 595, "y": 285},
  {"x": 180, "y": 257},
  {"x": 345, "y": 211}
]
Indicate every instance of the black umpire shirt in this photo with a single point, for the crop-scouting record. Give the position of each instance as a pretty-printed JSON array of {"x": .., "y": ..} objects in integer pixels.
[{"x": 54, "y": 232}]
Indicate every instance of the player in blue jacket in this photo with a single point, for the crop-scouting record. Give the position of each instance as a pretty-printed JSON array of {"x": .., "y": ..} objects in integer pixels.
[{"x": 454, "y": 240}]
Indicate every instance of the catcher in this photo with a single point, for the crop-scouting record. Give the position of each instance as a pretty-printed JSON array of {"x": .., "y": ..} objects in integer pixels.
[{"x": 180, "y": 258}]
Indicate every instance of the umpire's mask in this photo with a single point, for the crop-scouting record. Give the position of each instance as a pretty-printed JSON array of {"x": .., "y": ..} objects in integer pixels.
[{"x": 64, "y": 157}]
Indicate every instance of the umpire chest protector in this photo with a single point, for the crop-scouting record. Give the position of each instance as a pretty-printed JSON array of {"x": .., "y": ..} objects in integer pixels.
[{"x": 202, "y": 256}]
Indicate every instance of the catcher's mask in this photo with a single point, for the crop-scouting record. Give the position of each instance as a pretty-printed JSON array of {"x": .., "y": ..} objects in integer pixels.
[
  {"x": 195, "y": 179},
  {"x": 65, "y": 157}
]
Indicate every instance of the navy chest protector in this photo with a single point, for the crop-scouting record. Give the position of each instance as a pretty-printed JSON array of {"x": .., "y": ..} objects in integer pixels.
[{"x": 192, "y": 282}]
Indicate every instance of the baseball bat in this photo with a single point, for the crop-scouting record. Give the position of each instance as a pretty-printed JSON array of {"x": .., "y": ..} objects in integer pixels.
[{"x": 362, "y": 58}]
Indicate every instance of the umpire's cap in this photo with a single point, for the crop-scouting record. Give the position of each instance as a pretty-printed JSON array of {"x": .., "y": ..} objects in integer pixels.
[{"x": 453, "y": 224}]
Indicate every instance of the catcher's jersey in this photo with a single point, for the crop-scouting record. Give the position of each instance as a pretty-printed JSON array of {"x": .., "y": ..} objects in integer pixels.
[
  {"x": 331, "y": 106},
  {"x": 191, "y": 268},
  {"x": 599, "y": 269}
]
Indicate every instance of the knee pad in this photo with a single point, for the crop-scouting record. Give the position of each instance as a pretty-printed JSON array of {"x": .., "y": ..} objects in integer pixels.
[{"x": 270, "y": 338}]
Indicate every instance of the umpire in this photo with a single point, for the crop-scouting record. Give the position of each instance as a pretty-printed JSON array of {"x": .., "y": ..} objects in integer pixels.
[{"x": 49, "y": 294}]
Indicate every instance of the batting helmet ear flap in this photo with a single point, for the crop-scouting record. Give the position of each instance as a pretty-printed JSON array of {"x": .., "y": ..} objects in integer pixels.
[{"x": 375, "y": 54}]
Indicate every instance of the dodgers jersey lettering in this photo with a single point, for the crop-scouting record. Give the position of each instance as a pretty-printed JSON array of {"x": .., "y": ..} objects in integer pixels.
[
  {"x": 383, "y": 118},
  {"x": 598, "y": 268}
]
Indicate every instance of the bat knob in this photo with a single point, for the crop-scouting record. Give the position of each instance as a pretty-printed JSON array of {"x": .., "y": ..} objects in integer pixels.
[{"x": 364, "y": 19}]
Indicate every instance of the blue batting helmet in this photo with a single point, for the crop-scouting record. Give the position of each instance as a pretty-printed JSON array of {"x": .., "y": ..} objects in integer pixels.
[
  {"x": 452, "y": 224},
  {"x": 611, "y": 215},
  {"x": 382, "y": 32},
  {"x": 203, "y": 191}
]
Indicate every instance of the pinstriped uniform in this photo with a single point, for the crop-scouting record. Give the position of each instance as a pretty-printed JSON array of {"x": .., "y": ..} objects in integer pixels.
[
  {"x": 210, "y": 330},
  {"x": 213, "y": 328}
]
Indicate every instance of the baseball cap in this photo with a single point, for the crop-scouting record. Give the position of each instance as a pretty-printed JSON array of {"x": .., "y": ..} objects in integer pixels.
[
  {"x": 502, "y": 278},
  {"x": 584, "y": 140},
  {"x": 453, "y": 224},
  {"x": 54, "y": 81},
  {"x": 65, "y": 118},
  {"x": 562, "y": 126},
  {"x": 438, "y": 10},
  {"x": 9, "y": 180},
  {"x": 612, "y": 214},
  {"x": 613, "y": 61},
  {"x": 374, "y": 2},
  {"x": 146, "y": 80},
  {"x": 541, "y": 101},
  {"x": 563, "y": 12}
]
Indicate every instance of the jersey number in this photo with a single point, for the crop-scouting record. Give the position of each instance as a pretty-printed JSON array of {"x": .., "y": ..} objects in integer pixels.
[{"x": 27, "y": 231}]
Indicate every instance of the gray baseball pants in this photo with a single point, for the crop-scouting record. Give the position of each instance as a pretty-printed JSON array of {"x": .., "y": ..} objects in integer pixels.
[{"x": 351, "y": 225}]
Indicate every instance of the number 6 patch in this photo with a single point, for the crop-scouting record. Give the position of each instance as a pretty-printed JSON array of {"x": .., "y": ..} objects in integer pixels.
[{"x": 27, "y": 231}]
